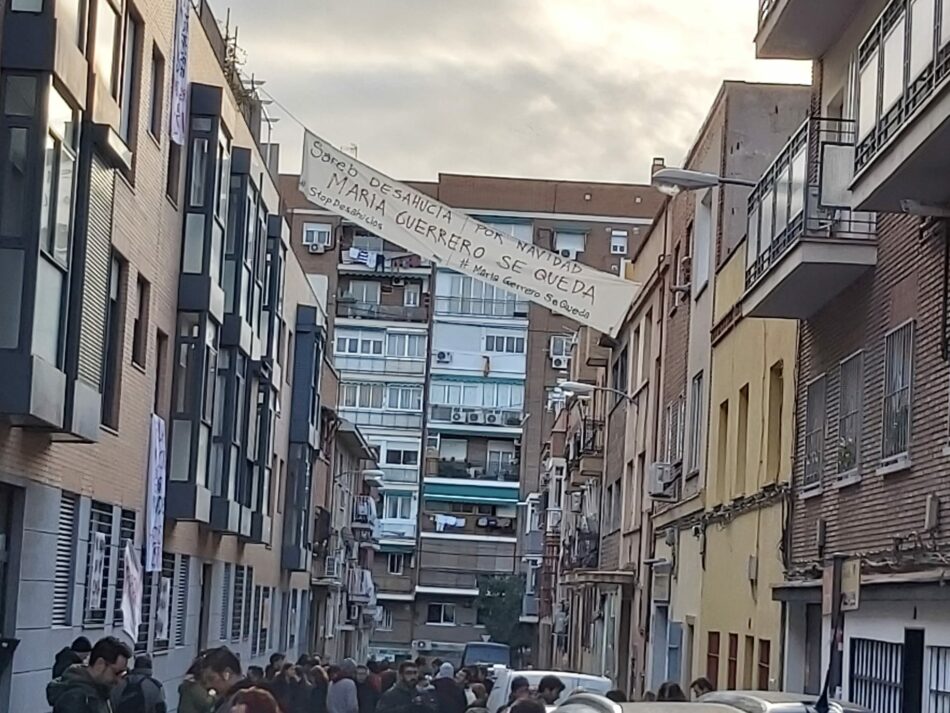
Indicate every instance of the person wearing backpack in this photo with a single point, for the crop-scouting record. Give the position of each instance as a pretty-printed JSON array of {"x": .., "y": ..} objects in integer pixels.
[{"x": 139, "y": 692}]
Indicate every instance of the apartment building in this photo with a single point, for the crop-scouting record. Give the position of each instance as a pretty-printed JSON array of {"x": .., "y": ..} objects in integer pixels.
[
  {"x": 149, "y": 292},
  {"x": 867, "y": 284}
]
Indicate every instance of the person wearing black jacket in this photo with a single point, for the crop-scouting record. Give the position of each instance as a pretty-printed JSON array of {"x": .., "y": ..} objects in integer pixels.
[
  {"x": 448, "y": 693},
  {"x": 365, "y": 691},
  {"x": 404, "y": 696},
  {"x": 76, "y": 652}
]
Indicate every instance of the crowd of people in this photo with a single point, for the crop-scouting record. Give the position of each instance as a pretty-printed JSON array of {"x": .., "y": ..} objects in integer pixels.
[{"x": 96, "y": 679}]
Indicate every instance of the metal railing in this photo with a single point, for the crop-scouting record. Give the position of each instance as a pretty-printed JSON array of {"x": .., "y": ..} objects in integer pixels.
[
  {"x": 385, "y": 419},
  {"x": 480, "y": 306},
  {"x": 364, "y": 511},
  {"x": 374, "y": 310},
  {"x": 467, "y": 470},
  {"x": 584, "y": 551},
  {"x": 392, "y": 260},
  {"x": 765, "y": 8},
  {"x": 804, "y": 194},
  {"x": 380, "y": 364},
  {"x": 586, "y": 442},
  {"x": 400, "y": 475},
  {"x": 477, "y": 416}
]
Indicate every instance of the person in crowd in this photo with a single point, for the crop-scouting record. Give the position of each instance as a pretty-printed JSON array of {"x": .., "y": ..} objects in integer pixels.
[
  {"x": 404, "y": 696},
  {"x": 140, "y": 691},
  {"x": 550, "y": 688},
  {"x": 374, "y": 669},
  {"x": 366, "y": 693},
  {"x": 528, "y": 705},
  {"x": 449, "y": 695},
  {"x": 221, "y": 672},
  {"x": 192, "y": 696},
  {"x": 649, "y": 697},
  {"x": 422, "y": 667},
  {"x": 281, "y": 686},
  {"x": 616, "y": 695},
  {"x": 255, "y": 674},
  {"x": 463, "y": 677},
  {"x": 341, "y": 696},
  {"x": 700, "y": 687},
  {"x": 86, "y": 688},
  {"x": 670, "y": 691},
  {"x": 318, "y": 691},
  {"x": 387, "y": 679},
  {"x": 273, "y": 668},
  {"x": 520, "y": 690},
  {"x": 479, "y": 695},
  {"x": 255, "y": 700},
  {"x": 76, "y": 652}
]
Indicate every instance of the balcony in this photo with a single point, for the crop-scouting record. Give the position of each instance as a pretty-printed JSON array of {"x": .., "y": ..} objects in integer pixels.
[
  {"x": 586, "y": 451},
  {"x": 453, "y": 306},
  {"x": 328, "y": 570},
  {"x": 374, "y": 310},
  {"x": 400, "y": 475},
  {"x": 801, "y": 29},
  {"x": 393, "y": 529},
  {"x": 364, "y": 513},
  {"x": 805, "y": 244},
  {"x": 390, "y": 262},
  {"x": 529, "y": 606},
  {"x": 476, "y": 418},
  {"x": 583, "y": 551},
  {"x": 534, "y": 543},
  {"x": 467, "y": 470},
  {"x": 383, "y": 419},
  {"x": 904, "y": 109},
  {"x": 380, "y": 365},
  {"x": 360, "y": 588},
  {"x": 468, "y": 524}
]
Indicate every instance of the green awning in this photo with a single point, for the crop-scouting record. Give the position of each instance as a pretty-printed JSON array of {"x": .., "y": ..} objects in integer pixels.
[{"x": 465, "y": 493}]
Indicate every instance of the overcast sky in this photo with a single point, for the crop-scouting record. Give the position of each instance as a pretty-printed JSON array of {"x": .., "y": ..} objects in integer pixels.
[{"x": 571, "y": 89}]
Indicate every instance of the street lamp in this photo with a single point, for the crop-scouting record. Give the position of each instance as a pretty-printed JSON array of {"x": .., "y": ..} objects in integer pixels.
[
  {"x": 672, "y": 181},
  {"x": 579, "y": 388}
]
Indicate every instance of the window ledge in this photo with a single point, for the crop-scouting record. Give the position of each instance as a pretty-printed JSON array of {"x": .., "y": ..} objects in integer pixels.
[
  {"x": 898, "y": 466},
  {"x": 138, "y": 367},
  {"x": 109, "y": 429},
  {"x": 845, "y": 480},
  {"x": 812, "y": 491}
]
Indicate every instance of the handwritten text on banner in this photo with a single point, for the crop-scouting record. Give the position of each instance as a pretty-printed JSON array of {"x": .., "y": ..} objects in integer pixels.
[{"x": 339, "y": 183}]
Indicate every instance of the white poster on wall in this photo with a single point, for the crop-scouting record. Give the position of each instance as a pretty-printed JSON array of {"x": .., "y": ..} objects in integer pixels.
[
  {"x": 413, "y": 220},
  {"x": 163, "y": 612},
  {"x": 178, "y": 109},
  {"x": 131, "y": 593},
  {"x": 97, "y": 569},
  {"x": 155, "y": 517}
]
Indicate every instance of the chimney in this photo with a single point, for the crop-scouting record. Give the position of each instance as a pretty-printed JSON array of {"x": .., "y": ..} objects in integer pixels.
[{"x": 658, "y": 163}]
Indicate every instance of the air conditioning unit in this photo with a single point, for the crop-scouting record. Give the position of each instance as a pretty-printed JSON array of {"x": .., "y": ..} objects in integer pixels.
[
  {"x": 560, "y": 363},
  {"x": 421, "y": 645},
  {"x": 316, "y": 248},
  {"x": 443, "y": 357},
  {"x": 566, "y": 252},
  {"x": 399, "y": 281},
  {"x": 494, "y": 418},
  {"x": 659, "y": 477},
  {"x": 618, "y": 249},
  {"x": 458, "y": 416},
  {"x": 474, "y": 417}
]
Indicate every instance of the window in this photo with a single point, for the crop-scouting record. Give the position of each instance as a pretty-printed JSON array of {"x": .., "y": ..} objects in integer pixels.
[
  {"x": 411, "y": 295},
  {"x": 225, "y": 601},
  {"x": 522, "y": 232},
  {"x": 400, "y": 456},
  {"x": 158, "y": 93},
  {"x": 695, "y": 423},
  {"x": 366, "y": 242},
  {"x": 319, "y": 234},
  {"x": 569, "y": 244},
  {"x": 876, "y": 676},
  {"x": 898, "y": 361},
  {"x": 776, "y": 407},
  {"x": 173, "y": 172},
  {"x": 112, "y": 374},
  {"x": 396, "y": 563},
  {"x": 675, "y": 429},
  {"x": 106, "y": 42},
  {"x": 359, "y": 342},
  {"x": 385, "y": 621},
  {"x": 712, "y": 658},
  {"x": 748, "y": 661},
  {"x": 744, "y": 481},
  {"x": 460, "y": 294},
  {"x": 405, "y": 398},
  {"x": 182, "y": 589},
  {"x": 361, "y": 395},
  {"x": 892, "y": 83},
  {"x": 938, "y": 687},
  {"x": 646, "y": 363},
  {"x": 814, "y": 432},
  {"x": 511, "y": 345},
  {"x": 560, "y": 345},
  {"x": 722, "y": 453},
  {"x": 618, "y": 242},
  {"x": 128, "y": 99},
  {"x": 126, "y": 534},
  {"x": 849, "y": 414},
  {"x": 765, "y": 664},
  {"x": 732, "y": 663},
  {"x": 406, "y": 345},
  {"x": 397, "y": 507},
  {"x": 164, "y": 586},
  {"x": 441, "y": 614},
  {"x": 140, "y": 325},
  {"x": 703, "y": 240},
  {"x": 364, "y": 291},
  {"x": 867, "y": 94},
  {"x": 619, "y": 375}
]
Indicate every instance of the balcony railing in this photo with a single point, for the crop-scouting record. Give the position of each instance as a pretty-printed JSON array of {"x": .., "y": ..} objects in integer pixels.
[
  {"x": 804, "y": 194},
  {"x": 374, "y": 310},
  {"x": 360, "y": 588},
  {"x": 468, "y": 524},
  {"x": 477, "y": 416},
  {"x": 480, "y": 307},
  {"x": 380, "y": 365},
  {"x": 391, "y": 529},
  {"x": 477, "y": 471},
  {"x": 382, "y": 260},
  {"x": 364, "y": 512},
  {"x": 384, "y": 419},
  {"x": 400, "y": 475},
  {"x": 586, "y": 442},
  {"x": 534, "y": 542},
  {"x": 584, "y": 551}
]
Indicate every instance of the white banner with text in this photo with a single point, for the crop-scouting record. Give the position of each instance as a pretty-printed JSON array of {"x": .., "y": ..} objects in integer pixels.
[{"x": 416, "y": 222}]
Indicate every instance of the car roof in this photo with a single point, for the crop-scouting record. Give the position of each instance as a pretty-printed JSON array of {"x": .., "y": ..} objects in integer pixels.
[
  {"x": 601, "y": 704},
  {"x": 530, "y": 673},
  {"x": 491, "y": 644},
  {"x": 766, "y": 700}
]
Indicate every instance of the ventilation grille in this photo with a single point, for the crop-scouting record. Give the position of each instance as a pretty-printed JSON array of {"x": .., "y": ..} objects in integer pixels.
[
  {"x": 65, "y": 549},
  {"x": 225, "y": 594},
  {"x": 184, "y": 585},
  {"x": 238, "y": 603}
]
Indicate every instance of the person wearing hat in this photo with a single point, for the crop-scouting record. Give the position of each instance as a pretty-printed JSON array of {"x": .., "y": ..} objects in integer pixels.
[
  {"x": 448, "y": 693},
  {"x": 76, "y": 652}
]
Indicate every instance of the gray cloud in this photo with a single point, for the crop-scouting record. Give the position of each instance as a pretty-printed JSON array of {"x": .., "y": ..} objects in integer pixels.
[{"x": 540, "y": 88}]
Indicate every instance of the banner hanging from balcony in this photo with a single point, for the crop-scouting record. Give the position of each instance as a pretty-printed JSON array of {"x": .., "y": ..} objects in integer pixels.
[{"x": 409, "y": 218}]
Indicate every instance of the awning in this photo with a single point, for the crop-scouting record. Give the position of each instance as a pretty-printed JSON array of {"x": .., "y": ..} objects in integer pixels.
[{"x": 464, "y": 493}]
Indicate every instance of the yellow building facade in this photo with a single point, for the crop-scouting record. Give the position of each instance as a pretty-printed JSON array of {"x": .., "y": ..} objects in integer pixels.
[{"x": 751, "y": 430}]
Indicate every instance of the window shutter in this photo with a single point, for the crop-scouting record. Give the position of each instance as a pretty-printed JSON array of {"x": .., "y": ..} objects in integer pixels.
[
  {"x": 225, "y": 598},
  {"x": 65, "y": 553},
  {"x": 184, "y": 578}
]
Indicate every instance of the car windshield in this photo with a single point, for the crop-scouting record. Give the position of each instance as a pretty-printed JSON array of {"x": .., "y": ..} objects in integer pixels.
[{"x": 475, "y": 654}]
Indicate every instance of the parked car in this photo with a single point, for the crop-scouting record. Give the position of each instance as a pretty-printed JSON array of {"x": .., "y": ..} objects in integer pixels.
[
  {"x": 776, "y": 702},
  {"x": 572, "y": 681},
  {"x": 594, "y": 703},
  {"x": 486, "y": 653}
]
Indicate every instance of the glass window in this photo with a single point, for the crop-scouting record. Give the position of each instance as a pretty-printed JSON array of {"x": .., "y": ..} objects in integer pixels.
[
  {"x": 781, "y": 201},
  {"x": 20, "y": 96},
  {"x": 107, "y": 27},
  {"x": 765, "y": 234},
  {"x": 798, "y": 181},
  {"x": 199, "y": 170},
  {"x": 115, "y": 339},
  {"x": 14, "y": 182},
  {"x": 47, "y": 325},
  {"x": 193, "y": 253},
  {"x": 921, "y": 36},
  {"x": 752, "y": 240},
  {"x": 618, "y": 242},
  {"x": 26, "y": 5},
  {"x": 944, "y": 23},
  {"x": 898, "y": 362},
  {"x": 443, "y": 614},
  {"x": 11, "y": 296},
  {"x": 893, "y": 84},
  {"x": 158, "y": 93},
  {"x": 130, "y": 79},
  {"x": 867, "y": 94},
  {"x": 411, "y": 295}
]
